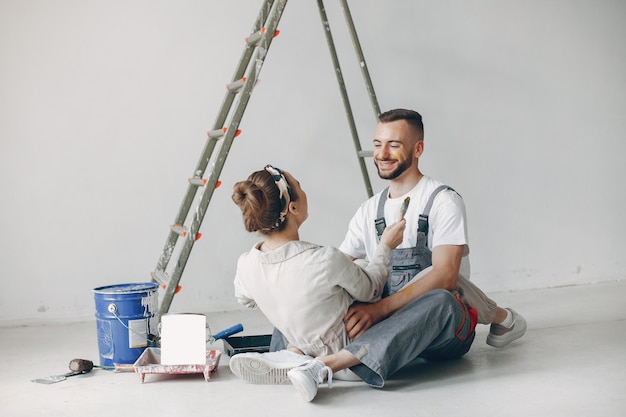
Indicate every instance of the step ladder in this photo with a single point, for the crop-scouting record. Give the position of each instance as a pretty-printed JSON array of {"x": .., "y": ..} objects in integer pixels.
[{"x": 226, "y": 128}]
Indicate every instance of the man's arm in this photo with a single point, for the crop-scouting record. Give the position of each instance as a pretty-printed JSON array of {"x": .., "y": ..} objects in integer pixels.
[{"x": 446, "y": 262}]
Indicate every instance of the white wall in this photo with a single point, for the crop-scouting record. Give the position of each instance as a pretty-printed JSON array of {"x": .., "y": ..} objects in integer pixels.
[{"x": 104, "y": 107}]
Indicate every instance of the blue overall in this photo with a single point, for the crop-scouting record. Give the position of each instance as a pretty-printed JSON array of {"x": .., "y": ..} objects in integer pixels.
[{"x": 406, "y": 263}]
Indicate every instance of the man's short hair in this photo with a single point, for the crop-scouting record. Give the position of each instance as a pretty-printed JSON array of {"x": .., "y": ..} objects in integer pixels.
[{"x": 411, "y": 116}]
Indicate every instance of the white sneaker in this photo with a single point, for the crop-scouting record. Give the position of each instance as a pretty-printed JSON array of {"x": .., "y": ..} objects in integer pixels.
[
  {"x": 500, "y": 336},
  {"x": 346, "y": 375},
  {"x": 308, "y": 376},
  {"x": 266, "y": 368}
]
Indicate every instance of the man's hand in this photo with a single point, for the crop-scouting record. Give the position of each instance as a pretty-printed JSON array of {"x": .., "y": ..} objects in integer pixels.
[
  {"x": 446, "y": 261},
  {"x": 360, "y": 317}
]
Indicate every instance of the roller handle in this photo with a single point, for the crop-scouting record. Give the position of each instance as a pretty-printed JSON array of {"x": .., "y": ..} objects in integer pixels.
[{"x": 228, "y": 332}]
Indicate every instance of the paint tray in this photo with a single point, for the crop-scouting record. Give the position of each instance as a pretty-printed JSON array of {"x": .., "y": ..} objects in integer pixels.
[
  {"x": 150, "y": 363},
  {"x": 240, "y": 344}
]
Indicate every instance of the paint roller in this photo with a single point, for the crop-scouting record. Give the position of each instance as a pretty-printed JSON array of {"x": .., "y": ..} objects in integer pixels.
[
  {"x": 77, "y": 367},
  {"x": 225, "y": 333},
  {"x": 81, "y": 365}
]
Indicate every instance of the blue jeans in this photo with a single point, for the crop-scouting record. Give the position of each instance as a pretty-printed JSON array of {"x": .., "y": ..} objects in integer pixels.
[{"x": 435, "y": 326}]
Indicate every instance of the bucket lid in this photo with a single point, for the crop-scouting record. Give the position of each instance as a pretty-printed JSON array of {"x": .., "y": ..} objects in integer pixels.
[{"x": 131, "y": 288}]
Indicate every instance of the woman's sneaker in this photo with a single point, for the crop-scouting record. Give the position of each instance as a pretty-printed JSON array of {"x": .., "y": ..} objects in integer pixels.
[
  {"x": 308, "y": 376},
  {"x": 266, "y": 368},
  {"x": 500, "y": 336}
]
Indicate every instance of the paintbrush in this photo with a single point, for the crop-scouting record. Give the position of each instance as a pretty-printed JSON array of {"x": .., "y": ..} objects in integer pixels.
[{"x": 404, "y": 207}]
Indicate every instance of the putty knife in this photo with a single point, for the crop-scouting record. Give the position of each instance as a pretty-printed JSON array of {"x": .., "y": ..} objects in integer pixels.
[{"x": 57, "y": 378}]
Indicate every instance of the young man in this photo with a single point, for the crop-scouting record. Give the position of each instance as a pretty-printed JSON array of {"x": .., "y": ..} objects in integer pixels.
[
  {"x": 435, "y": 217},
  {"x": 424, "y": 311}
]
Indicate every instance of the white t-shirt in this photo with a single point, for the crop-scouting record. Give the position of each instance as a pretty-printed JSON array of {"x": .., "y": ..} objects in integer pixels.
[{"x": 447, "y": 222}]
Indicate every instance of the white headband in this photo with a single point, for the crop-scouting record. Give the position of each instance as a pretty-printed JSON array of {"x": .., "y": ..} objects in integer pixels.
[{"x": 284, "y": 193}]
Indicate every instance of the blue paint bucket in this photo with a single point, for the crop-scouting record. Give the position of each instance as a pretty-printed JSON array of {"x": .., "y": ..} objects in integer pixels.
[{"x": 126, "y": 319}]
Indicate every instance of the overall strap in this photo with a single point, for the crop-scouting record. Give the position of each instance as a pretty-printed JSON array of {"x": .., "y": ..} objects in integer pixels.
[
  {"x": 422, "y": 223},
  {"x": 380, "y": 223}
]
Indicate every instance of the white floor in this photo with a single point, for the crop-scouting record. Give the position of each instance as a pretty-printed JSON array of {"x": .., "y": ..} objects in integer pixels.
[{"x": 571, "y": 362}]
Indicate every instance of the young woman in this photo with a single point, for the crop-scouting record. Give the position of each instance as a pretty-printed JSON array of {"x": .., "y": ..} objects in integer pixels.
[{"x": 302, "y": 288}]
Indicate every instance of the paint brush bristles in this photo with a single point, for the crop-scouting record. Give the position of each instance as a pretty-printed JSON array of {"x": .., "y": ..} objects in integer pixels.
[{"x": 405, "y": 206}]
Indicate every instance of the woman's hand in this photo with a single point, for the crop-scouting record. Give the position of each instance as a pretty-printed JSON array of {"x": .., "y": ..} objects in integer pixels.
[{"x": 392, "y": 236}]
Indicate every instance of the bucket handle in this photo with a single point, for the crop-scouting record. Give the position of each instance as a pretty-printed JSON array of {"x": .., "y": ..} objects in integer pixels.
[{"x": 112, "y": 308}]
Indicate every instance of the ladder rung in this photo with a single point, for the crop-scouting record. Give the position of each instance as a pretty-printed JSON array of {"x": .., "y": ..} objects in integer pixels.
[
  {"x": 201, "y": 182},
  {"x": 183, "y": 231},
  {"x": 237, "y": 85},
  {"x": 179, "y": 229},
  {"x": 218, "y": 133},
  {"x": 254, "y": 38},
  {"x": 365, "y": 154},
  {"x": 162, "y": 278}
]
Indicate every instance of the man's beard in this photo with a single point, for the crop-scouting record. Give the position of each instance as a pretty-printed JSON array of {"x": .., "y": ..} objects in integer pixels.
[{"x": 403, "y": 166}]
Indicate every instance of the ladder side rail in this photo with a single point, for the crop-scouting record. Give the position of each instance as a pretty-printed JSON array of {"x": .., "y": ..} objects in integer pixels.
[
  {"x": 260, "y": 22},
  {"x": 244, "y": 97},
  {"x": 209, "y": 148},
  {"x": 361, "y": 58},
  {"x": 344, "y": 96}
]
